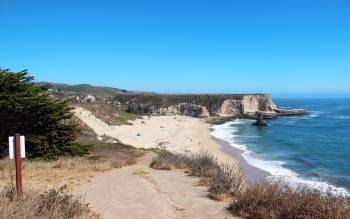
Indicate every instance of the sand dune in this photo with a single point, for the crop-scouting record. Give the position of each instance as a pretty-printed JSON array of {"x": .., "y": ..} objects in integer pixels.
[{"x": 175, "y": 133}]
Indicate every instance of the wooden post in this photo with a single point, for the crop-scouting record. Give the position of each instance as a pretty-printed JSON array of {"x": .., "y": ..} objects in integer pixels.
[{"x": 18, "y": 161}]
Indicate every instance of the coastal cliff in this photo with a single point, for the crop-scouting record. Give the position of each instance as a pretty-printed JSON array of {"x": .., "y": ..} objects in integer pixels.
[
  {"x": 186, "y": 109},
  {"x": 194, "y": 105},
  {"x": 203, "y": 106}
]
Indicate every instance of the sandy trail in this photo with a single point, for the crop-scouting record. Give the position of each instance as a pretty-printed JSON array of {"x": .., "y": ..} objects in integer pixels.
[
  {"x": 138, "y": 191},
  {"x": 175, "y": 133}
]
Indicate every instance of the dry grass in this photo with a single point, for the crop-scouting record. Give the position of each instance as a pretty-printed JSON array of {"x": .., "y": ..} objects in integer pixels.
[
  {"x": 70, "y": 172},
  {"x": 226, "y": 182},
  {"x": 223, "y": 180},
  {"x": 203, "y": 164},
  {"x": 65, "y": 172},
  {"x": 168, "y": 161},
  {"x": 51, "y": 204},
  {"x": 278, "y": 201}
]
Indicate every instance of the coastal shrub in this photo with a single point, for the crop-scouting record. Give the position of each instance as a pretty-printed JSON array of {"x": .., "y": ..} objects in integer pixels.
[
  {"x": 223, "y": 180},
  {"x": 167, "y": 161},
  {"x": 27, "y": 109},
  {"x": 276, "y": 200},
  {"x": 203, "y": 164},
  {"x": 51, "y": 204},
  {"x": 227, "y": 181}
]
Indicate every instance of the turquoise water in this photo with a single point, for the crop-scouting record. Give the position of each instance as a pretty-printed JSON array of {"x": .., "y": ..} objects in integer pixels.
[{"x": 313, "y": 149}]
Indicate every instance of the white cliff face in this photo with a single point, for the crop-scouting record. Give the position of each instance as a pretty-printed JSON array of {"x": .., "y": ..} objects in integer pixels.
[
  {"x": 185, "y": 109},
  {"x": 246, "y": 106},
  {"x": 254, "y": 103},
  {"x": 269, "y": 103},
  {"x": 231, "y": 107},
  {"x": 249, "y": 105}
]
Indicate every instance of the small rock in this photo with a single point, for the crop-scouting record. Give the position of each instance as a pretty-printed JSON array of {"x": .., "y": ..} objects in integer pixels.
[
  {"x": 89, "y": 99},
  {"x": 260, "y": 120}
]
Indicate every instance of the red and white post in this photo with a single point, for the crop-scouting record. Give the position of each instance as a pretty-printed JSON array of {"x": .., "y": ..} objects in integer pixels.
[{"x": 18, "y": 161}]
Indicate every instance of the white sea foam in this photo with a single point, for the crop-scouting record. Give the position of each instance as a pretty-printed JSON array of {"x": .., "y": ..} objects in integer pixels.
[
  {"x": 338, "y": 116},
  {"x": 342, "y": 117},
  {"x": 313, "y": 114},
  {"x": 227, "y": 132},
  {"x": 310, "y": 115}
]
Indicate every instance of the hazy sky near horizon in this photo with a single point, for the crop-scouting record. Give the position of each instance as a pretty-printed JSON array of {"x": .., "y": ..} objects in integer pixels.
[{"x": 290, "y": 47}]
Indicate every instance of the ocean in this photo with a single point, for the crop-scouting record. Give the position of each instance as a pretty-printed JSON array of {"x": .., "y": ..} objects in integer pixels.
[{"x": 311, "y": 150}]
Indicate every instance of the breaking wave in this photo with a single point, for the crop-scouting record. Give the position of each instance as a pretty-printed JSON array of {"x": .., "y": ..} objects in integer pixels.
[{"x": 228, "y": 133}]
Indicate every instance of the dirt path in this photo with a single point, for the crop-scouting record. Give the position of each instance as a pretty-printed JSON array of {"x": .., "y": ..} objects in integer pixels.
[{"x": 138, "y": 191}]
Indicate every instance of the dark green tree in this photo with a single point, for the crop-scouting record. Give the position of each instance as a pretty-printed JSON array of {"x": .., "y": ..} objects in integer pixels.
[{"x": 28, "y": 109}]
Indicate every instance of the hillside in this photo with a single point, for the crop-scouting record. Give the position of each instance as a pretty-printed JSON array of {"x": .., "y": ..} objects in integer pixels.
[{"x": 83, "y": 88}]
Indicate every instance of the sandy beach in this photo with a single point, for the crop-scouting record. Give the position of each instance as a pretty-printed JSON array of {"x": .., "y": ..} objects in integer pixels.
[{"x": 175, "y": 133}]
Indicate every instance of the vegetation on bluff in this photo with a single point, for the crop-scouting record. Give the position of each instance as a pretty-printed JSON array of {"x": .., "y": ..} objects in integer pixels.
[
  {"x": 211, "y": 101},
  {"x": 27, "y": 109}
]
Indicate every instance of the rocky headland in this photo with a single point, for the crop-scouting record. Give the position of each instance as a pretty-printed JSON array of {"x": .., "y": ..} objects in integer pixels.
[
  {"x": 205, "y": 106},
  {"x": 221, "y": 106}
]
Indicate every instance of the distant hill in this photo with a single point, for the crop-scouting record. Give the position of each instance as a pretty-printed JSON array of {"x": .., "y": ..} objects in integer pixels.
[{"x": 84, "y": 88}]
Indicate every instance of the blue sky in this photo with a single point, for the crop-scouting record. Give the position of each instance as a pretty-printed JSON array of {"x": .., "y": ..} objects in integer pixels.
[{"x": 285, "y": 48}]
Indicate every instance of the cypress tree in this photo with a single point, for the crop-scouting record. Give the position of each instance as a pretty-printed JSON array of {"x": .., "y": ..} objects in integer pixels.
[{"x": 27, "y": 109}]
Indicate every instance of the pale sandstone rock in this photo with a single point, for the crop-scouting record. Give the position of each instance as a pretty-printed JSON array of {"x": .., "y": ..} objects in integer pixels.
[
  {"x": 89, "y": 99},
  {"x": 231, "y": 107}
]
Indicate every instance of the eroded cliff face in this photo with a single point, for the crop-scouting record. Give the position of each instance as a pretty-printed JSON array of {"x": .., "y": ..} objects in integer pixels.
[
  {"x": 248, "y": 106},
  {"x": 254, "y": 103},
  {"x": 231, "y": 107},
  {"x": 207, "y": 105},
  {"x": 184, "y": 109}
]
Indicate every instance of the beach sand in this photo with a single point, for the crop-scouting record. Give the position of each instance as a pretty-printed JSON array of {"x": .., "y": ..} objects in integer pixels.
[{"x": 178, "y": 134}]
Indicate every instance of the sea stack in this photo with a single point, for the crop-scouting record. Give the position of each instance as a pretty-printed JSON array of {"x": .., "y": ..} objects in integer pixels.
[{"x": 260, "y": 119}]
